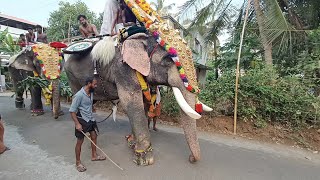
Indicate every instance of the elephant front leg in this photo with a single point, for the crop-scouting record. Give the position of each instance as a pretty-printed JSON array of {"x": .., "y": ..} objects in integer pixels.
[
  {"x": 139, "y": 141},
  {"x": 19, "y": 102},
  {"x": 37, "y": 107}
]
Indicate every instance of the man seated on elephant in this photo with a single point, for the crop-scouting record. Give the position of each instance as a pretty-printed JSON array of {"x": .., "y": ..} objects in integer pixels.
[
  {"x": 124, "y": 18},
  {"x": 22, "y": 42},
  {"x": 81, "y": 112},
  {"x": 30, "y": 35},
  {"x": 87, "y": 29},
  {"x": 40, "y": 36},
  {"x": 110, "y": 13}
]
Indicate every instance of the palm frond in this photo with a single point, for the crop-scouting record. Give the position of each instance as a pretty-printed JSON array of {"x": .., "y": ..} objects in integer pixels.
[
  {"x": 202, "y": 16},
  {"x": 191, "y": 7},
  {"x": 215, "y": 27},
  {"x": 275, "y": 24}
]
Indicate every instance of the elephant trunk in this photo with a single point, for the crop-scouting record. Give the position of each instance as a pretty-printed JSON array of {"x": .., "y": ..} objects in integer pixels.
[
  {"x": 189, "y": 126},
  {"x": 55, "y": 98},
  {"x": 187, "y": 102}
]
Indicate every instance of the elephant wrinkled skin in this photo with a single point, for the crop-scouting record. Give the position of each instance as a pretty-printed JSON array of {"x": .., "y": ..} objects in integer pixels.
[{"x": 117, "y": 80}]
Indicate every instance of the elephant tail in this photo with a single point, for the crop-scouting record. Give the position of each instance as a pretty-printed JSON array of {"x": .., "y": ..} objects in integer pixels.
[{"x": 104, "y": 51}]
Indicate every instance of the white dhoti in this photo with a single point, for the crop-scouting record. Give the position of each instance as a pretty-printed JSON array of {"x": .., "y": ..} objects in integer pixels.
[{"x": 109, "y": 15}]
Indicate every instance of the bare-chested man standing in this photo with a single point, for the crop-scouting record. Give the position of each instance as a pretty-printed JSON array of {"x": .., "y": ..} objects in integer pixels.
[{"x": 87, "y": 29}]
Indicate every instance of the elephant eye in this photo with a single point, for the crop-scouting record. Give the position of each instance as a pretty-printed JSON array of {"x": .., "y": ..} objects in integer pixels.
[{"x": 166, "y": 61}]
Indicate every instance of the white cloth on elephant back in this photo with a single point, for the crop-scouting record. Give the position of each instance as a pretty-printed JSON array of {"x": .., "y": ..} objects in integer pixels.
[
  {"x": 109, "y": 15},
  {"x": 135, "y": 54}
]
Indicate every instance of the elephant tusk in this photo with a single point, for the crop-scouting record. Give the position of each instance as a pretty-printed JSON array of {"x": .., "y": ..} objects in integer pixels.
[
  {"x": 184, "y": 105},
  {"x": 206, "y": 108}
]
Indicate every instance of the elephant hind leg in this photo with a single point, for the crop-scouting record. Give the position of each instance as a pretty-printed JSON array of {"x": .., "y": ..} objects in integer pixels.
[{"x": 37, "y": 107}]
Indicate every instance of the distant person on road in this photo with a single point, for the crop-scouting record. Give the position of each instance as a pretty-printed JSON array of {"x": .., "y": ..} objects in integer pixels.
[
  {"x": 81, "y": 112},
  {"x": 87, "y": 29},
  {"x": 155, "y": 110},
  {"x": 3, "y": 148}
]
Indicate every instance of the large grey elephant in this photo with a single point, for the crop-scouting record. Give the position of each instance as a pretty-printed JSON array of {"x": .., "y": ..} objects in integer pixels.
[
  {"x": 37, "y": 60},
  {"x": 118, "y": 80}
]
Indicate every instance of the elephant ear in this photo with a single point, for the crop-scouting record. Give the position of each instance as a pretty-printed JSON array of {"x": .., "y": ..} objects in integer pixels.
[
  {"x": 22, "y": 61},
  {"x": 135, "y": 54}
]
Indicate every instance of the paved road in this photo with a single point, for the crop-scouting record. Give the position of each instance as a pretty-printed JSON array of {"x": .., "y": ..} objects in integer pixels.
[{"x": 43, "y": 148}]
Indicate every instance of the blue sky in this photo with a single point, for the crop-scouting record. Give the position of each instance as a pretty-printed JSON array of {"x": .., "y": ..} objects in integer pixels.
[{"x": 38, "y": 11}]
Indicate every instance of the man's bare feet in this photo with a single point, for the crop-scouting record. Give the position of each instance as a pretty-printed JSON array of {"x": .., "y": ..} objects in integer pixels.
[
  {"x": 5, "y": 149},
  {"x": 155, "y": 129},
  {"x": 98, "y": 158}
]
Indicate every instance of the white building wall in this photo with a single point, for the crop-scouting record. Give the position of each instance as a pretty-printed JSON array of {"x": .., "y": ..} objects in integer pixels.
[
  {"x": 3, "y": 82},
  {"x": 15, "y": 32}
]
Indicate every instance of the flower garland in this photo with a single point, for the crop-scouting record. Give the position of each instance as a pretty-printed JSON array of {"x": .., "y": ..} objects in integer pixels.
[
  {"x": 40, "y": 48},
  {"x": 149, "y": 15},
  {"x": 174, "y": 56},
  {"x": 146, "y": 92}
]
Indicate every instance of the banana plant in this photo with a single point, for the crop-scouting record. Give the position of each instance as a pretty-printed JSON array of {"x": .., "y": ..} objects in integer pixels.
[
  {"x": 25, "y": 84},
  {"x": 44, "y": 84},
  {"x": 7, "y": 43}
]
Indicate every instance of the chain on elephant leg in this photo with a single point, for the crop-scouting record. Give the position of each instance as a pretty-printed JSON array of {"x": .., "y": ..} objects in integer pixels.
[
  {"x": 37, "y": 112},
  {"x": 130, "y": 141},
  {"x": 19, "y": 102},
  {"x": 144, "y": 157},
  {"x": 141, "y": 157}
]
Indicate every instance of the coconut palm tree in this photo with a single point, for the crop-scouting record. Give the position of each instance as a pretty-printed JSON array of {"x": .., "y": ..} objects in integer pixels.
[
  {"x": 208, "y": 17},
  {"x": 161, "y": 8}
]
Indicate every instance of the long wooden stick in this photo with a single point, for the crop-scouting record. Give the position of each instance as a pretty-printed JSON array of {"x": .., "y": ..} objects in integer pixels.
[
  {"x": 238, "y": 70},
  {"x": 101, "y": 151}
]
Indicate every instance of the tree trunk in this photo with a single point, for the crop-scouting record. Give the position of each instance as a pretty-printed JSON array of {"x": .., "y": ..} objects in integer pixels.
[
  {"x": 260, "y": 19},
  {"x": 215, "y": 59}
]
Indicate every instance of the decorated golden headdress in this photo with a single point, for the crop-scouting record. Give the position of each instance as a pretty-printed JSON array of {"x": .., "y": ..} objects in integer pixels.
[
  {"x": 50, "y": 60},
  {"x": 170, "y": 40}
]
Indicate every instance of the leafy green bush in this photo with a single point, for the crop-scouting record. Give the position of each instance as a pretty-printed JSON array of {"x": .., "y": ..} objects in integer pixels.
[
  {"x": 264, "y": 96},
  {"x": 169, "y": 104},
  {"x": 64, "y": 85}
]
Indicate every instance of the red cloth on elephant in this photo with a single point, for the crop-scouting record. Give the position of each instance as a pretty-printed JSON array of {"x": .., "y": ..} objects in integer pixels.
[{"x": 58, "y": 45}]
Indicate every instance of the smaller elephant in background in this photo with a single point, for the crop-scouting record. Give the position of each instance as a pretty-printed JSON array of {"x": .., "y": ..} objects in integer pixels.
[{"x": 37, "y": 60}]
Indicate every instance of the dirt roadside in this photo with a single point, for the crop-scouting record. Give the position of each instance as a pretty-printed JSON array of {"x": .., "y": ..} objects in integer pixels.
[{"x": 303, "y": 138}]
